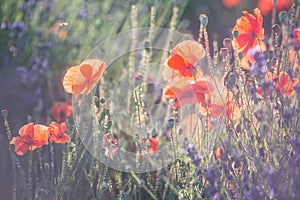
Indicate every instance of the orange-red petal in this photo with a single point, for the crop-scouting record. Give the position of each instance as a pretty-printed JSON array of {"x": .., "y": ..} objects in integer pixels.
[
  {"x": 82, "y": 78},
  {"x": 27, "y": 129}
]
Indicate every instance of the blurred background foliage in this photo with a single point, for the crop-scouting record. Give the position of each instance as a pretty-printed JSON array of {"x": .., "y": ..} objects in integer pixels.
[{"x": 39, "y": 39}]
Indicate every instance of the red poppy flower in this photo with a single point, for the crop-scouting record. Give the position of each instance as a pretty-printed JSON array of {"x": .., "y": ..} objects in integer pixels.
[
  {"x": 282, "y": 83},
  {"x": 60, "y": 111},
  {"x": 183, "y": 59},
  {"x": 219, "y": 152},
  {"x": 250, "y": 31},
  {"x": 294, "y": 59},
  {"x": 58, "y": 30},
  {"x": 266, "y": 6},
  {"x": 84, "y": 77},
  {"x": 285, "y": 85},
  {"x": 231, "y": 3},
  {"x": 296, "y": 34},
  {"x": 153, "y": 144},
  {"x": 221, "y": 106},
  {"x": 186, "y": 93},
  {"x": 58, "y": 133},
  {"x": 32, "y": 136}
]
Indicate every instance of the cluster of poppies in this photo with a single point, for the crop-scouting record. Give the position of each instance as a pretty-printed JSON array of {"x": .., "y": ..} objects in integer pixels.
[
  {"x": 249, "y": 42},
  {"x": 265, "y": 6},
  {"x": 33, "y": 136},
  {"x": 187, "y": 84}
]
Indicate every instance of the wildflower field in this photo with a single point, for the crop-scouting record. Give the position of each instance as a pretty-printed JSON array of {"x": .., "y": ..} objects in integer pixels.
[{"x": 150, "y": 99}]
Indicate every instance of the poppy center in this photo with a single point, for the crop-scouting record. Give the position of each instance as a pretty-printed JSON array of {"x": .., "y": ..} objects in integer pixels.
[{"x": 62, "y": 115}]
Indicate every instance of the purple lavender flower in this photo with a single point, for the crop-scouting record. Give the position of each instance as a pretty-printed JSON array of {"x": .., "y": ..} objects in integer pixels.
[
  {"x": 38, "y": 92},
  {"x": 5, "y": 25},
  {"x": 191, "y": 149},
  {"x": 260, "y": 65},
  {"x": 23, "y": 7},
  {"x": 218, "y": 196},
  {"x": 197, "y": 159},
  {"x": 18, "y": 27},
  {"x": 45, "y": 63},
  {"x": 82, "y": 14}
]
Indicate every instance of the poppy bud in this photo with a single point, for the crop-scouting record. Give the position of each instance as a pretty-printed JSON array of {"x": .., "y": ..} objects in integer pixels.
[
  {"x": 102, "y": 100},
  {"x": 180, "y": 131},
  {"x": 276, "y": 29},
  {"x": 105, "y": 111},
  {"x": 224, "y": 52},
  {"x": 47, "y": 166},
  {"x": 137, "y": 81},
  {"x": 170, "y": 123},
  {"x": 148, "y": 144},
  {"x": 203, "y": 19},
  {"x": 147, "y": 45},
  {"x": 154, "y": 133},
  {"x": 241, "y": 55},
  {"x": 109, "y": 123},
  {"x": 4, "y": 114},
  {"x": 103, "y": 186},
  {"x": 235, "y": 33},
  {"x": 283, "y": 16},
  {"x": 227, "y": 42}
]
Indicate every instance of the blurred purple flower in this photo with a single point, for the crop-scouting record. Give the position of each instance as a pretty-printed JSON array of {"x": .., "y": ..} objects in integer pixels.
[
  {"x": 82, "y": 14},
  {"x": 218, "y": 196},
  {"x": 22, "y": 72},
  {"x": 12, "y": 49},
  {"x": 5, "y": 25},
  {"x": 18, "y": 27},
  {"x": 260, "y": 65},
  {"x": 40, "y": 33},
  {"x": 25, "y": 75},
  {"x": 191, "y": 149},
  {"x": 45, "y": 63},
  {"x": 23, "y": 7},
  {"x": 197, "y": 159},
  {"x": 38, "y": 92}
]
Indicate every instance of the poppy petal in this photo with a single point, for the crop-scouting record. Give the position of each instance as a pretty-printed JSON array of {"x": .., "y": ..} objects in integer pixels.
[
  {"x": 86, "y": 70},
  {"x": 41, "y": 134},
  {"x": 78, "y": 89},
  {"x": 21, "y": 147},
  {"x": 176, "y": 62},
  {"x": 27, "y": 129},
  {"x": 70, "y": 78},
  {"x": 191, "y": 51}
]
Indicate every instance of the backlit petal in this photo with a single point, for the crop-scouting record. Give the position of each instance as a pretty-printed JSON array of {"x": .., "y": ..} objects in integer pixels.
[{"x": 70, "y": 78}]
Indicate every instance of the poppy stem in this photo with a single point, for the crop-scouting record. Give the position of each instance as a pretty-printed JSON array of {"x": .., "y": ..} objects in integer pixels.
[{"x": 14, "y": 159}]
